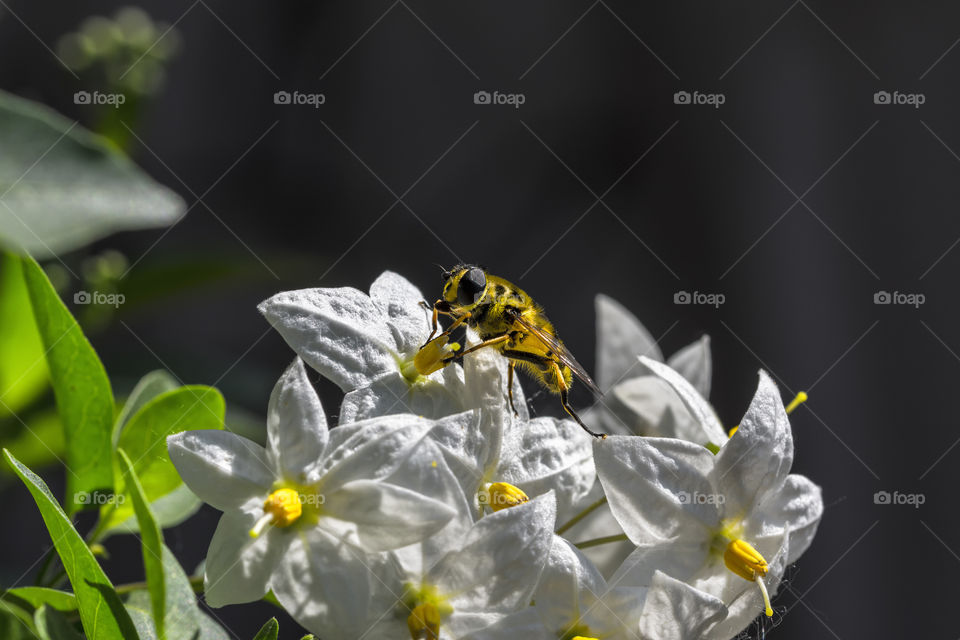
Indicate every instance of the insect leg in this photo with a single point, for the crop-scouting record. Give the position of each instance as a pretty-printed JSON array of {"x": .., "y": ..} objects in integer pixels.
[
  {"x": 566, "y": 404},
  {"x": 510, "y": 367},
  {"x": 436, "y": 312},
  {"x": 486, "y": 343}
]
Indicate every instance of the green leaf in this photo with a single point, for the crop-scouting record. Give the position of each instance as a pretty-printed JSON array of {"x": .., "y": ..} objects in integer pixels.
[
  {"x": 145, "y": 440},
  {"x": 39, "y": 596},
  {"x": 148, "y": 388},
  {"x": 101, "y": 611},
  {"x": 23, "y": 369},
  {"x": 183, "y": 618},
  {"x": 15, "y": 623},
  {"x": 82, "y": 389},
  {"x": 64, "y": 187},
  {"x": 151, "y": 540},
  {"x": 53, "y": 625},
  {"x": 268, "y": 631}
]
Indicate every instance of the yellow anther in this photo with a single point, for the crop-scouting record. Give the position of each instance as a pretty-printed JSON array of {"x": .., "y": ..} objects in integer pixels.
[
  {"x": 745, "y": 561},
  {"x": 281, "y": 509},
  {"x": 583, "y": 638},
  {"x": 424, "y": 622},
  {"x": 732, "y": 431},
  {"x": 796, "y": 402},
  {"x": 500, "y": 495},
  {"x": 434, "y": 355}
]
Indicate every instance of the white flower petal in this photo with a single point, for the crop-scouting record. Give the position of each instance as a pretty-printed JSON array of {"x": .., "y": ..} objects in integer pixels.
[
  {"x": 399, "y": 301},
  {"x": 797, "y": 506},
  {"x": 681, "y": 557},
  {"x": 500, "y": 561},
  {"x": 373, "y": 449},
  {"x": 653, "y": 484},
  {"x": 223, "y": 469},
  {"x": 758, "y": 457},
  {"x": 331, "y": 587},
  {"x": 391, "y": 393},
  {"x": 296, "y": 424},
  {"x": 547, "y": 454},
  {"x": 238, "y": 567},
  {"x": 568, "y": 586},
  {"x": 655, "y": 409},
  {"x": 620, "y": 339},
  {"x": 524, "y": 624},
  {"x": 485, "y": 375},
  {"x": 698, "y": 407},
  {"x": 387, "y": 516},
  {"x": 339, "y": 332},
  {"x": 694, "y": 363},
  {"x": 676, "y": 611}
]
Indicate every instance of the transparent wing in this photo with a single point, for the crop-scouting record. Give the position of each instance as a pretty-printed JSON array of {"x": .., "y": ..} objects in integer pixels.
[{"x": 561, "y": 352}]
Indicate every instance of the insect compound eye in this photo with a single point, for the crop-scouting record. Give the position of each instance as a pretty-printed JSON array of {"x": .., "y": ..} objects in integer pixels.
[{"x": 471, "y": 286}]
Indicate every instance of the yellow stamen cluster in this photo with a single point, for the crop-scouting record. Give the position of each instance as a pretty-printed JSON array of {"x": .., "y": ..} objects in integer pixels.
[
  {"x": 745, "y": 561},
  {"x": 500, "y": 495},
  {"x": 281, "y": 509},
  {"x": 424, "y": 622},
  {"x": 434, "y": 355}
]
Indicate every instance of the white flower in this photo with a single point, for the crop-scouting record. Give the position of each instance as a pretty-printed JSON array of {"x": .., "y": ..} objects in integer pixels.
[
  {"x": 634, "y": 401},
  {"x": 366, "y": 345},
  {"x": 714, "y": 521},
  {"x": 488, "y": 573},
  {"x": 573, "y": 600},
  {"x": 536, "y": 456},
  {"x": 310, "y": 515}
]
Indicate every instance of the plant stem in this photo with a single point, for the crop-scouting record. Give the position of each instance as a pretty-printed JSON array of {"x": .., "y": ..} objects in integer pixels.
[
  {"x": 586, "y": 544},
  {"x": 583, "y": 514}
]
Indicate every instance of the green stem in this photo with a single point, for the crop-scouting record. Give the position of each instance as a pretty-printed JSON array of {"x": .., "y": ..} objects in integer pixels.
[
  {"x": 583, "y": 514},
  {"x": 586, "y": 544}
]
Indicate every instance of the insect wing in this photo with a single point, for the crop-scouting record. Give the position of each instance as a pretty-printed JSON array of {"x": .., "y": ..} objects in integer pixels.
[{"x": 561, "y": 352}]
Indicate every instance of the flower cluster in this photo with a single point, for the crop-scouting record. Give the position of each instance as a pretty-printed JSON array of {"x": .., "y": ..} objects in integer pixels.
[{"x": 432, "y": 511}]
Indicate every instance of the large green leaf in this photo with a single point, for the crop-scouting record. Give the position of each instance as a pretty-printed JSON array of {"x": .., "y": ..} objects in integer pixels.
[
  {"x": 146, "y": 389},
  {"x": 39, "y": 596},
  {"x": 62, "y": 187},
  {"x": 23, "y": 369},
  {"x": 269, "y": 630},
  {"x": 144, "y": 438},
  {"x": 101, "y": 611},
  {"x": 183, "y": 618},
  {"x": 82, "y": 389},
  {"x": 151, "y": 541}
]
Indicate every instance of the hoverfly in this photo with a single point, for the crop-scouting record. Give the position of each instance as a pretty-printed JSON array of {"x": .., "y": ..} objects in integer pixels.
[{"x": 508, "y": 320}]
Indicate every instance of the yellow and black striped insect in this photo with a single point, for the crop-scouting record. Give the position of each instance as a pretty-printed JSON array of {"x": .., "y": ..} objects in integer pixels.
[{"x": 508, "y": 320}]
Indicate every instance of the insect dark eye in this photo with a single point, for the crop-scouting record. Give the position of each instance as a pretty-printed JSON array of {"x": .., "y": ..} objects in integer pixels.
[{"x": 471, "y": 287}]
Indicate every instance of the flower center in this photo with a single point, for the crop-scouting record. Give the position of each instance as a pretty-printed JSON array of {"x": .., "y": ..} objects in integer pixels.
[
  {"x": 424, "y": 622},
  {"x": 745, "y": 561},
  {"x": 501, "y": 495},
  {"x": 432, "y": 357},
  {"x": 427, "y": 610},
  {"x": 578, "y": 632},
  {"x": 281, "y": 508}
]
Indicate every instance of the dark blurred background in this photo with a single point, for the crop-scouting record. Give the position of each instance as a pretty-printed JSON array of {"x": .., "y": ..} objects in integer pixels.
[{"x": 798, "y": 198}]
